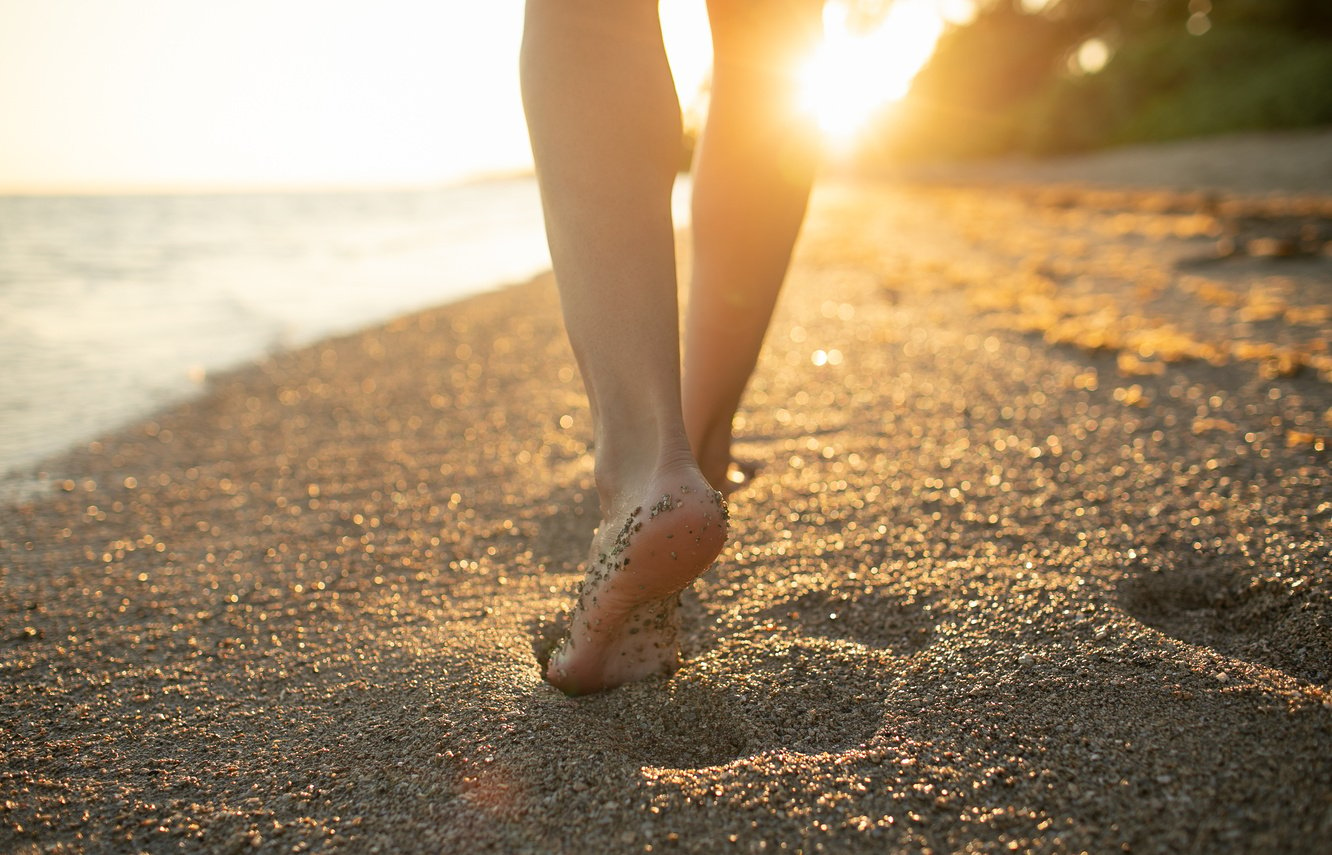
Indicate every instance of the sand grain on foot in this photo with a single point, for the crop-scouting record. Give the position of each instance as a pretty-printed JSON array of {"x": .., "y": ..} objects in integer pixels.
[{"x": 623, "y": 626}]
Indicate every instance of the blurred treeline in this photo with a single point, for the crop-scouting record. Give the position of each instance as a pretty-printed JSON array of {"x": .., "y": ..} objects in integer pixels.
[{"x": 1047, "y": 76}]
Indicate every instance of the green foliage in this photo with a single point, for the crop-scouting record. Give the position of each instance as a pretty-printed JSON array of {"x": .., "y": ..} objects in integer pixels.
[
  {"x": 1002, "y": 83},
  {"x": 968, "y": 99},
  {"x": 1290, "y": 89},
  {"x": 1309, "y": 17},
  {"x": 1170, "y": 84}
]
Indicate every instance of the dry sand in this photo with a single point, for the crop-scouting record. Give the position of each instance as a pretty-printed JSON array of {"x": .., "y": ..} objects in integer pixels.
[{"x": 1037, "y": 560}]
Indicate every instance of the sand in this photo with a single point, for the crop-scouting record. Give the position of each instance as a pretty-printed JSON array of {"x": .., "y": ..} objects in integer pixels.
[{"x": 1037, "y": 559}]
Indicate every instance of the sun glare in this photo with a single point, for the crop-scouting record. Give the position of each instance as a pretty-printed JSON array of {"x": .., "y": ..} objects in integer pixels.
[{"x": 858, "y": 70}]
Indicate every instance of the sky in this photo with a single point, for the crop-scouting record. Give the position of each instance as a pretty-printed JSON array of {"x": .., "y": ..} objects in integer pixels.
[
  {"x": 134, "y": 93},
  {"x": 105, "y": 95}
]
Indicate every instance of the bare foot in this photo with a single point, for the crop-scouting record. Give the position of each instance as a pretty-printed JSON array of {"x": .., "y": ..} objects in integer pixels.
[
  {"x": 726, "y": 473},
  {"x": 648, "y": 549},
  {"x": 729, "y": 474}
]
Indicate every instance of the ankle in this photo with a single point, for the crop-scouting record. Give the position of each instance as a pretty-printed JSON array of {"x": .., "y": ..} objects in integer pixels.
[
  {"x": 623, "y": 474},
  {"x": 712, "y": 450}
]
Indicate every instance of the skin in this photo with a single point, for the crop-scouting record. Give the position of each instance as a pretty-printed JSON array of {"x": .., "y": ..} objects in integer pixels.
[
  {"x": 606, "y": 130},
  {"x": 752, "y": 177}
]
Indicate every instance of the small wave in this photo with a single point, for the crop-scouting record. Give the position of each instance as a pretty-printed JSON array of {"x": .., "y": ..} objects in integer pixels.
[{"x": 120, "y": 296}]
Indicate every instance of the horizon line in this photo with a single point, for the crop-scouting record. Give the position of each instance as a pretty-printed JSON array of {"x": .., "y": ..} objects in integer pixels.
[{"x": 241, "y": 188}]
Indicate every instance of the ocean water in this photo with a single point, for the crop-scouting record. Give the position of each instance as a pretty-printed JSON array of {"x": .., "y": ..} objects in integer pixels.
[{"x": 112, "y": 307}]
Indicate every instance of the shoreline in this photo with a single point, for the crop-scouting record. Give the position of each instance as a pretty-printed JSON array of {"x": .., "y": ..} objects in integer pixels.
[
  {"x": 32, "y": 480},
  {"x": 1293, "y": 167},
  {"x": 164, "y": 313},
  {"x": 120, "y": 306}
]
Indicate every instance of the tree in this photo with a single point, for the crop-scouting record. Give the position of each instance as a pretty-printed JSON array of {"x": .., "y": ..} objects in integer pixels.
[{"x": 1017, "y": 78}]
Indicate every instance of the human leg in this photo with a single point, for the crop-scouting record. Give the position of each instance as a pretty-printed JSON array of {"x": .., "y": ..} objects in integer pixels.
[
  {"x": 605, "y": 129},
  {"x": 752, "y": 177}
]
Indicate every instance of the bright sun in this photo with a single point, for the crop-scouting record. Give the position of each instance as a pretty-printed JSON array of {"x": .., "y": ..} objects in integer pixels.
[{"x": 857, "y": 71}]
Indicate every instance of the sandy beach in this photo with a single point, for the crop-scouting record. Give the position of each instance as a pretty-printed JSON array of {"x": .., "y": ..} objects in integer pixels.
[{"x": 1037, "y": 559}]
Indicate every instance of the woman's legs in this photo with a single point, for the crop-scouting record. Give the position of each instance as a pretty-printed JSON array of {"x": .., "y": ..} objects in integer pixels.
[
  {"x": 752, "y": 177},
  {"x": 605, "y": 128}
]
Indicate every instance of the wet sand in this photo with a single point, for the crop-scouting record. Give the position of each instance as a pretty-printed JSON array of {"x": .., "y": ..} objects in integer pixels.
[{"x": 1037, "y": 559}]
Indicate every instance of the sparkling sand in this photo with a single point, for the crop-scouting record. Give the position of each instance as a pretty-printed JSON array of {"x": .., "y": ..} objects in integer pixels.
[{"x": 1037, "y": 559}]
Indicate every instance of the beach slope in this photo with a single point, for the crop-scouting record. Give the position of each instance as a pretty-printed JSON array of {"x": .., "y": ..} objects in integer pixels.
[{"x": 1036, "y": 559}]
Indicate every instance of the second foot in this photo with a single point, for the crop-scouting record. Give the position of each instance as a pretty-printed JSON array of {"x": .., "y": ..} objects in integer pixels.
[{"x": 650, "y": 548}]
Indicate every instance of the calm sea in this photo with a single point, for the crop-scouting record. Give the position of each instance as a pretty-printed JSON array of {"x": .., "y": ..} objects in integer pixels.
[{"x": 112, "y": 307}]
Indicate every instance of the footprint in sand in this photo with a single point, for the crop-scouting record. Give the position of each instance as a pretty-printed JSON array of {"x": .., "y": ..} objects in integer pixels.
[
  {"x": 802, "y": 675},
  {"x": 792, "y": 696},
  {"x": 1238, "y": 613},
  {"x": 868, "y": 616}
]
